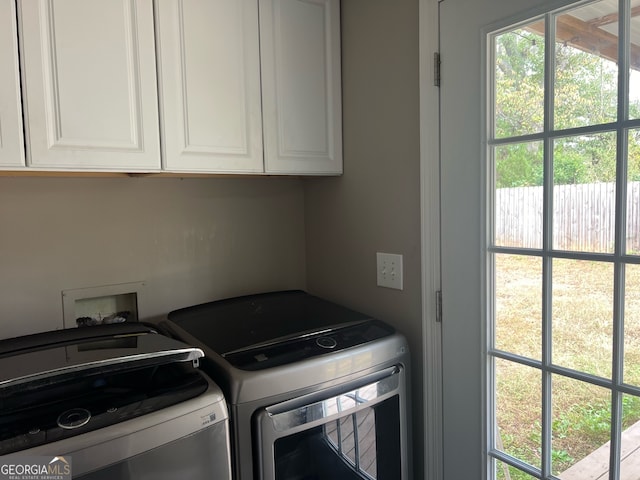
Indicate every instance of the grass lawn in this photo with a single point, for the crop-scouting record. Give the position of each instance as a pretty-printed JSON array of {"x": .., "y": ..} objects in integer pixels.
[{"x": 582, "y": 339}]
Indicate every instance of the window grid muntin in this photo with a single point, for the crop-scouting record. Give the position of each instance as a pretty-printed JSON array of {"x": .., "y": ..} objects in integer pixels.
[{"x": 619, "y": 257}]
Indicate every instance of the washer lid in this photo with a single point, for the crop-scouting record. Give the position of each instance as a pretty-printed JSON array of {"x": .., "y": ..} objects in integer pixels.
[
  {"x": 244, "y": 323},
  {"x": 43, "y": 356}
]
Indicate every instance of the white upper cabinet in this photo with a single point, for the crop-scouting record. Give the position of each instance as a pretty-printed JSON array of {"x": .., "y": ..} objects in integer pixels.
[
  {"x": 203, "y": 86},
  {"x": 90, "y": 84},
  {"x": 209, "y": 71},
  {"x": 301, "y": 95},
  {"x": 11, "y": 138}
]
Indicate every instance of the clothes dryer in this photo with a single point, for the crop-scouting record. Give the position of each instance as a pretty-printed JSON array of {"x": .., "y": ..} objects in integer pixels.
[{"x": 316, "y": 390}]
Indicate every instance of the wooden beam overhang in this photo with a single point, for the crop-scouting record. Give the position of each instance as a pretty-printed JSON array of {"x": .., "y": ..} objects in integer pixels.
[{"x": 589, "y": 37}]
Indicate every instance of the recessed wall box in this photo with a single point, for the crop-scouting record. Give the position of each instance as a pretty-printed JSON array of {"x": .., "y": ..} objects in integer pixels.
[{"x": 118, "y": 303}]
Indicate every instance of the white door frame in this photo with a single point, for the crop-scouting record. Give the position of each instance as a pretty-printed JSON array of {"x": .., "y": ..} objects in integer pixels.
[{"x": 430, "y": 239}]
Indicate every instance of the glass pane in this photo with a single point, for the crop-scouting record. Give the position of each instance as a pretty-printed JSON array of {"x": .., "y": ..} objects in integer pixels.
[
  {"x": 586, "y": 71},
  {"x": 584, "y": 193},
  {"x": 631, "y": 372},
  {"x": 633, "y": 193},
  {"x": 518, "y": 195},
  {"x": 518, "y": 411},
  {"x": 634, "y": 93},
  {"x": 581, "y": 424},
  {"x": 634, "y": 62},
  {"x": 507, "y": 472},
  {"x": 364, "y": 444},
  {"x": 630, "y": 440},
  {"x": 582, "y": 319},
  {"x": 519, "y": 81},
  {"x": 518, "y": 287}
]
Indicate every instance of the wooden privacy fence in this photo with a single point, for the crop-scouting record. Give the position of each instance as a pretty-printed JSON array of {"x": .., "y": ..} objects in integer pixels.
[{"x": 583, "y": 217}]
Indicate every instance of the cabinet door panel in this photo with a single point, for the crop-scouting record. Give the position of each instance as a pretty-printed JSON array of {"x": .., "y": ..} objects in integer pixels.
[
  {"x": 300, "y": 48},
  {"x": 210, "y": 85},
  {"x": 90, "y": 84},
  {"x": 11, "y": 138}
]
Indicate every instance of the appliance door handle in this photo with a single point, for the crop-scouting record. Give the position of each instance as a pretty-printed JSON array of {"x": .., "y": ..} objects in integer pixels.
[{"x": 284, "y": 418}]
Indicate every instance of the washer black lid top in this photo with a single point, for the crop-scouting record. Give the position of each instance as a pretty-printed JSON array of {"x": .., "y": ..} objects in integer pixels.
[
  {"x": 51, "y": 356},
  {"x": 239, "y": 323}
]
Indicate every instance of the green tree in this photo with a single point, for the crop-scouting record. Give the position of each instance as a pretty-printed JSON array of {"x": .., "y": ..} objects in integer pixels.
[
  {"x": 633, "y": 174},
  {"x": 585, "y": 94},
  {"x": 519, "y": 74},
  {"x": 586, "y": 88},
  {"x": 519, "y": 165}
]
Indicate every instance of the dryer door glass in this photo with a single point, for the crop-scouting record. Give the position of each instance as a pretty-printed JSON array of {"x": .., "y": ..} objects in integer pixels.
[
  {"x": 356, "y": 431},
  {"x": 363, "y": 444}
]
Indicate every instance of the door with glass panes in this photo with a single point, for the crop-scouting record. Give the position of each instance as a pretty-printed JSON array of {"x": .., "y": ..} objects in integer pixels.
[{"x": 540, "y": 167}]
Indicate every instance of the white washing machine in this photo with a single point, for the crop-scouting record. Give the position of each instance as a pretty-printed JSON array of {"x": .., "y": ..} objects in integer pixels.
[{"x": 117, "y": 402}]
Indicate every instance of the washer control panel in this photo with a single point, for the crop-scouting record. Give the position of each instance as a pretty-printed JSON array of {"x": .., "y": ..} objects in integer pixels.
[{"x": 308, "y": 345}]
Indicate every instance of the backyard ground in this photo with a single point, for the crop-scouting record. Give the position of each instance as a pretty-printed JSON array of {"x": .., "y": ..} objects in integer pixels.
[{"x": 582, "y": 339}]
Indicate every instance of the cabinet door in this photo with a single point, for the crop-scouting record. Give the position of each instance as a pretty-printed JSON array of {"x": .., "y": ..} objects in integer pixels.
[
  {"x": 90, "y": 88},
  {"x": 11, "y": 138},
  {"x": 300, "y": 60},
  {"x": 210, "y": 85}
]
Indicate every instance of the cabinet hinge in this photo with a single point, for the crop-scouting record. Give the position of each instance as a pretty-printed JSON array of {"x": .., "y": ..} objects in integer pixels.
[
  {"x": 436, "y": 69},
  {"x": 439, "y": 306}
]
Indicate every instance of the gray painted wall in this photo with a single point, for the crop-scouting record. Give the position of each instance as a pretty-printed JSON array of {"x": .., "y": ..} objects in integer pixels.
[
  {"x": 190, "y": 240},
  {"x": 375, "y": 205}
]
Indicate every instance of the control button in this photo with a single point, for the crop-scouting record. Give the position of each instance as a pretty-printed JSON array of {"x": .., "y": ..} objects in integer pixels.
[
  {"x": 74, "y": 418},
  {"x": 34, "y": 431},
  {"x": 326, "y": 342},
  {"x": 261, "y": 357}
]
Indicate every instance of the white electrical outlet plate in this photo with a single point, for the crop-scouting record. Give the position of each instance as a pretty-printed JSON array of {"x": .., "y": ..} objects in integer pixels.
[{"x": 389, "y": 268}]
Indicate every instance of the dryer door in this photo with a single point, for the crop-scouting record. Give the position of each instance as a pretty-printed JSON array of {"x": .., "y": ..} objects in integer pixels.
[{"x": 355, "y": 431}]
